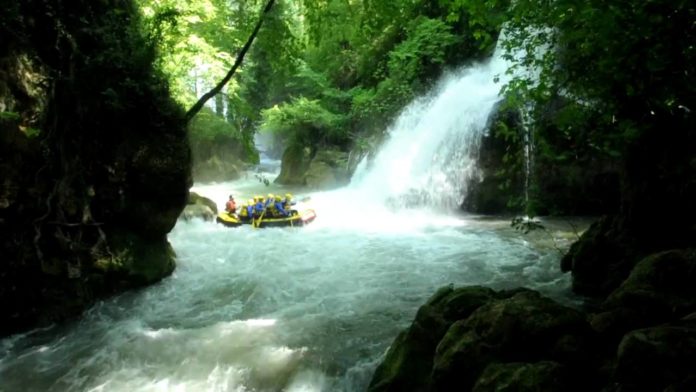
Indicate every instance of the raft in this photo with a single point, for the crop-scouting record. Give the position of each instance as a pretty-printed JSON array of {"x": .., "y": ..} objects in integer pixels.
[{"x": 297, "y": 220}]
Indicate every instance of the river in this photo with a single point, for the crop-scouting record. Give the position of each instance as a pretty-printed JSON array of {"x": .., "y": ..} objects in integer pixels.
[
  {"x": 294, "y": 309},
  {"x": 313, "y": 308}
]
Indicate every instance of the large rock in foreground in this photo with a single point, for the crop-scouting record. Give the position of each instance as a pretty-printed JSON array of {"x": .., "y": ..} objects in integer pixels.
[{"x": 458, "y": 334}]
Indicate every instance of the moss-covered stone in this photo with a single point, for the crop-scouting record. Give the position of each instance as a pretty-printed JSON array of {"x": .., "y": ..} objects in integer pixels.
[
  {"x": 294, "y": 164},
  {"x": 195, "y": 198},
  {"x": 660, "y": 289},
  {"x": 328, "y": 169},
  {"x": 525, "y": 327},
  {"x": 652, "y": 359},
  {"x": 408, "y": 362},
  {"x": 322, "y": 169},
  {"x": 547, "y": 376},
  {"x": 601, "y": 259}
]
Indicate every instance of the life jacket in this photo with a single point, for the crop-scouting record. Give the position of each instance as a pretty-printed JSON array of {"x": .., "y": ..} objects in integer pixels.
[
  {"x": 271, "y": 210},
  {"x": 244, "y": 212},
  {"x": 231, "y": 206},
  {"x": 280, "y": 209},
  {"x": 250, "y": 210}
]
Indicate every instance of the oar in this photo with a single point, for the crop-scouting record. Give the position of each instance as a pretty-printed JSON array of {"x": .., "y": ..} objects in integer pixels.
[{"x": 258, "y": 221}]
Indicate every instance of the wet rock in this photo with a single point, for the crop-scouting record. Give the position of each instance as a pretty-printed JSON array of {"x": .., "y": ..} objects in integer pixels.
[
  {"x": 96, "y": 171},
  {"x": 660, "y": 289},
  {"x": 545, "y": 376},
  {"x": 196, "y": 199},
  {"x": 653, "y": 359},
  {"x": 328, "y": 169},
  {"x": 294, "y": 164},
  {"x": 601, "y": 259},
  {"x": 525, "y": 327},
  {"x": 408, "y": 362},
  {"x": 198, "y": 211},
  {"x": 322, "y": 169}
]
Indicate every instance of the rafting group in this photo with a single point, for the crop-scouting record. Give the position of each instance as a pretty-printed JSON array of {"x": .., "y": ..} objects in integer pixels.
[{"x": 270, "y": 211}]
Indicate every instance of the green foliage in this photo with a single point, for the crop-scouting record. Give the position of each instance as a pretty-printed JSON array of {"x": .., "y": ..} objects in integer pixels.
[
  {"x": 304, "y": 122},
  {"x": 207, "y": 129},
  {"x": 623, "y": 67},
  {"x": 483, "y": 18},
  {"x": 9, "y": 116},
  {"x": 423, "y": 51},
  {"x": 208, "y": 126},
  {"x": 320, "y": 72}
]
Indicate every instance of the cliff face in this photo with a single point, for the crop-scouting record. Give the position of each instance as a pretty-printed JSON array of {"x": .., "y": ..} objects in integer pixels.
[{"x": 94, "y": 159}]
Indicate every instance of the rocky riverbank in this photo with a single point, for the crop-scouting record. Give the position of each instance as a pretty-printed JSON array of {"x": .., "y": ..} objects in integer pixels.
[{"x": 641, "y": 337}]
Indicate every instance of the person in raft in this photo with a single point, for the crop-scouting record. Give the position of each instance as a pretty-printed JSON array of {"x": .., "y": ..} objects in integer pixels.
[
  {"x": 231, "y": 206},
  {"x": 246, "y": 211}
]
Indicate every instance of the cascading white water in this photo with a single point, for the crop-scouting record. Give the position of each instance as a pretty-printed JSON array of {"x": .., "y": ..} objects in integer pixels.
[{"x": 432, "y": 148}]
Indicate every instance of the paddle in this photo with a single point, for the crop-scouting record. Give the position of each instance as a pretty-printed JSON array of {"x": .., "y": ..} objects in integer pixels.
[{"x": 257, "y": 223}]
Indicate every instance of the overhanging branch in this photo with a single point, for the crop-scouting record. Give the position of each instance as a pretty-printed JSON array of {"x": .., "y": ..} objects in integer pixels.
[{"x": 240, "y": 57}]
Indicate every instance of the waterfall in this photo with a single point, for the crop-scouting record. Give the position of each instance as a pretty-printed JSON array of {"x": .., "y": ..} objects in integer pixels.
[{"x": 432, "y": 147}]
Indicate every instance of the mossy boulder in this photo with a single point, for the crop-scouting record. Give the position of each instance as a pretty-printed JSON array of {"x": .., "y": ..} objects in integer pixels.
[
  {"x": 320, "y": 169},
  {"x": 658, "y": 358},
  {"x": 408, "y": 362},
  {"x": 196, "y": 199},
  {"x": 601, "y": 259},
  {"x": 199, "y": 207},
  {"x": 458, "y": 333},
  {"x": 135, "y": 262},
  {"x": 547, "y": 376},
  {"x": 328, "y": 169},
  {"x": 660, "y": 289},
  {"x": 198, "y": 211},
  {"x": 525, "y": 327},
  {"x": 294, "y": 164}
]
